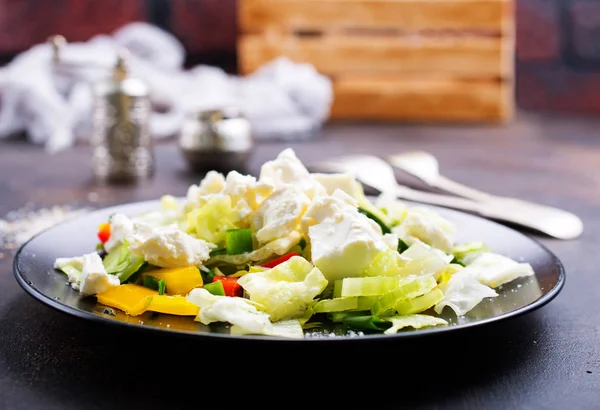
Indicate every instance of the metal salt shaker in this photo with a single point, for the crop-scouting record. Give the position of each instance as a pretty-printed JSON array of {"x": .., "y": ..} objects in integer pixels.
[
  {"x": 217, "y": 139},
  {"x": 122, "y": 146}
]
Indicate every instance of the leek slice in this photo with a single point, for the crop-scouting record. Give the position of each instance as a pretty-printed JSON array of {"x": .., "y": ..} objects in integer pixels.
[
  {"x": 338, "y": 317},
  {"x": 335, "y": 305},
  {"x": 422, "y": 259},
  {"x": 412, "y": 289},
  {"x": 366, "y": 322},
  {"x": 420, "y": 303},
  {"x": 365, "y": 302},
  {"x": 369, "y": 286}
]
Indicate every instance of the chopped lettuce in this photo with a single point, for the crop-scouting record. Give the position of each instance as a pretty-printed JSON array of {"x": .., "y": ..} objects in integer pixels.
[
  {"x": 235, "y": 310},
  {"x": 286, "y": 290},
  {"x": 72, "y": 267},
  {"x": 466, "y": 252},
  {"x": 422, "y": 260},
  {"x": 416, "y": 321},
  {"x": 277, "y": 247},
  {"x": 285, "y": 328},
  {"x": 211, "y": 221},
  {"x": 494, "y": 270},
  {"x": 463, "y": 292},
  {"x": 120, "y": 261}
]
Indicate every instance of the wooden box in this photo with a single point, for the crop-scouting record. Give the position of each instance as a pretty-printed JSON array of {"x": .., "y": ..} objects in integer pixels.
[{"x": 410, "y": 60}]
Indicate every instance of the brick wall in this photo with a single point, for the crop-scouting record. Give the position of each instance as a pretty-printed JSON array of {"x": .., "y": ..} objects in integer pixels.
[
  {"x": 558, "y": 55},
  {"x": 557, "y": 59}
]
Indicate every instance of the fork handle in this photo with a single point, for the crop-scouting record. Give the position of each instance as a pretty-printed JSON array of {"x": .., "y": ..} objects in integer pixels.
[
  {"x": 438, "y": 199},
  {"x": 459, "y": 189},
  {"x": 551, "y": 221}
]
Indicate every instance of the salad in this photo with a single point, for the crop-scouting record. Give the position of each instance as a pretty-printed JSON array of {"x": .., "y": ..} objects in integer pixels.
[{"x": 284, "y": 253}]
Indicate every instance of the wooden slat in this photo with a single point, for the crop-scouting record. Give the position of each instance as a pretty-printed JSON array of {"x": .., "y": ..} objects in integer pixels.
[
  {"x": 422, "y": 100},
  {"x": 333, "y": 55},
  {"x": 410, "y": 15}
]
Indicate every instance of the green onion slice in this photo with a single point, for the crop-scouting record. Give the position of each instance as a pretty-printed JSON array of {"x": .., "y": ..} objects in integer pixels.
[{"x": 238, "y": 241}]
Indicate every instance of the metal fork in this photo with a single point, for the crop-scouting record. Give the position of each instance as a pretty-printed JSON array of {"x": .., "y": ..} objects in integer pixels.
[{"x": 376, "y": 173}]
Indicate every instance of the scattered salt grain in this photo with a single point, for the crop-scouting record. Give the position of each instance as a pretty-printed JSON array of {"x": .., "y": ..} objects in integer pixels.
[{"x": 17, "y": 227}]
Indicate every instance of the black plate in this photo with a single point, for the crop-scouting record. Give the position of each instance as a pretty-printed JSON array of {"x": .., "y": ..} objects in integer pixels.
[{"x": 33, "y": 269}]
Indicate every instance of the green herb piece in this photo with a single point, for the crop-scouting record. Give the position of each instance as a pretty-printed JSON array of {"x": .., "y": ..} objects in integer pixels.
[
  {"x": 338, "y": 317},
  {"x": 402, "y": 246},
  {"x": 384, "y": 228},
  {"x": 218, "y": 251},
  {"x": 302, "y": 244},
  {"x": 216, "y": 288},
  {"x": 367, "y": 322},
  {"x": 122, "y": 263},
  {"x": 162, "y": 287},
  {"x": 152, "y": 283},
  {"x": 109, "y": 312},
  {"x": 457, "y": 261},
  {"x": 207, "y": 277},
  {"x": 117, "y": 259},
  {"x": 238, "y": 241}
]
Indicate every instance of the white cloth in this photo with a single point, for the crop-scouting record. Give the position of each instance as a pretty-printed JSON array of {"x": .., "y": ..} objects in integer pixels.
[{"x": 282, "y": 99}]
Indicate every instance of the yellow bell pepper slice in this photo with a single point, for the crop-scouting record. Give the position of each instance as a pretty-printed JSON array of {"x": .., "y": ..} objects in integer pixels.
[
  {"x": 131, "y": 299},
  {"x": 173, "y": 305},
  {"x": 179, "y": 281}
]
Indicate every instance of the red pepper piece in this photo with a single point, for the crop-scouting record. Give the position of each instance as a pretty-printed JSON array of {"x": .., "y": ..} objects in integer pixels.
[
  {"x": 230, "y": 285},
  {"x": 104, "y": 232},
  {"x": 279, "y": 260}
]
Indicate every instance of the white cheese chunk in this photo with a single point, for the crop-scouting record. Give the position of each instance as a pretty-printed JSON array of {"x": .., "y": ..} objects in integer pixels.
[
  {"x": 72, "y": 267},
  {"x": 426, "y": 227},
  {"x": 287, "y": 169},
  {"x": 279, "y": 214},
  {"x": 121, "y": 228},
  {"x": 169, "y": 246},
  {"x": 327, "y": 206},
  {"x": 94, "y": 278},
  {"x": 344, "y": 242},
  {"x": 343, "y": 181}
]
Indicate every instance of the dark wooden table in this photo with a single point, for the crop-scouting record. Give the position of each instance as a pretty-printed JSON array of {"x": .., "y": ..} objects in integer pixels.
[{"x": 548, "y": 359}]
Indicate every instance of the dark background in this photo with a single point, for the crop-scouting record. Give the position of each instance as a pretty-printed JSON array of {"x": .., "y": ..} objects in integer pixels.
[{"x": 557, "y": 58}]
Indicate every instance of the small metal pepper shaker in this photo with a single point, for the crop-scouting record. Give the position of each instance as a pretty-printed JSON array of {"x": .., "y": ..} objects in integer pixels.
[
  {"x": 217, "y": 139},
  {"x": 123, "y": 150}
]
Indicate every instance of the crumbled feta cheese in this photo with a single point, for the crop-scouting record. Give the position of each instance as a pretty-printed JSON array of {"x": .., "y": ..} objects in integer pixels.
[
  {"x": 235, "y": 310},
  {"x": 244, "y": 191},
  {"x": 169, "y": 246},
  {"x": 391, "y": 240},
  {"x": 394, "y": 208},
  {"x": 121, "y": 228},
  {"x": 327, "y": 206},
  {"x": 426, "y": 228},
  {"x": 94, "y": 278},
  {"x": 343, "y": 242},
  {"x": 279, "y": 214},
  {"x": 72, "y": 267},
  {"x": 287, "y": 169},
  {"x": 343, "y": 181},
  {"x": 246, "y": 194},
  {"x": 197, "y": 195}
]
